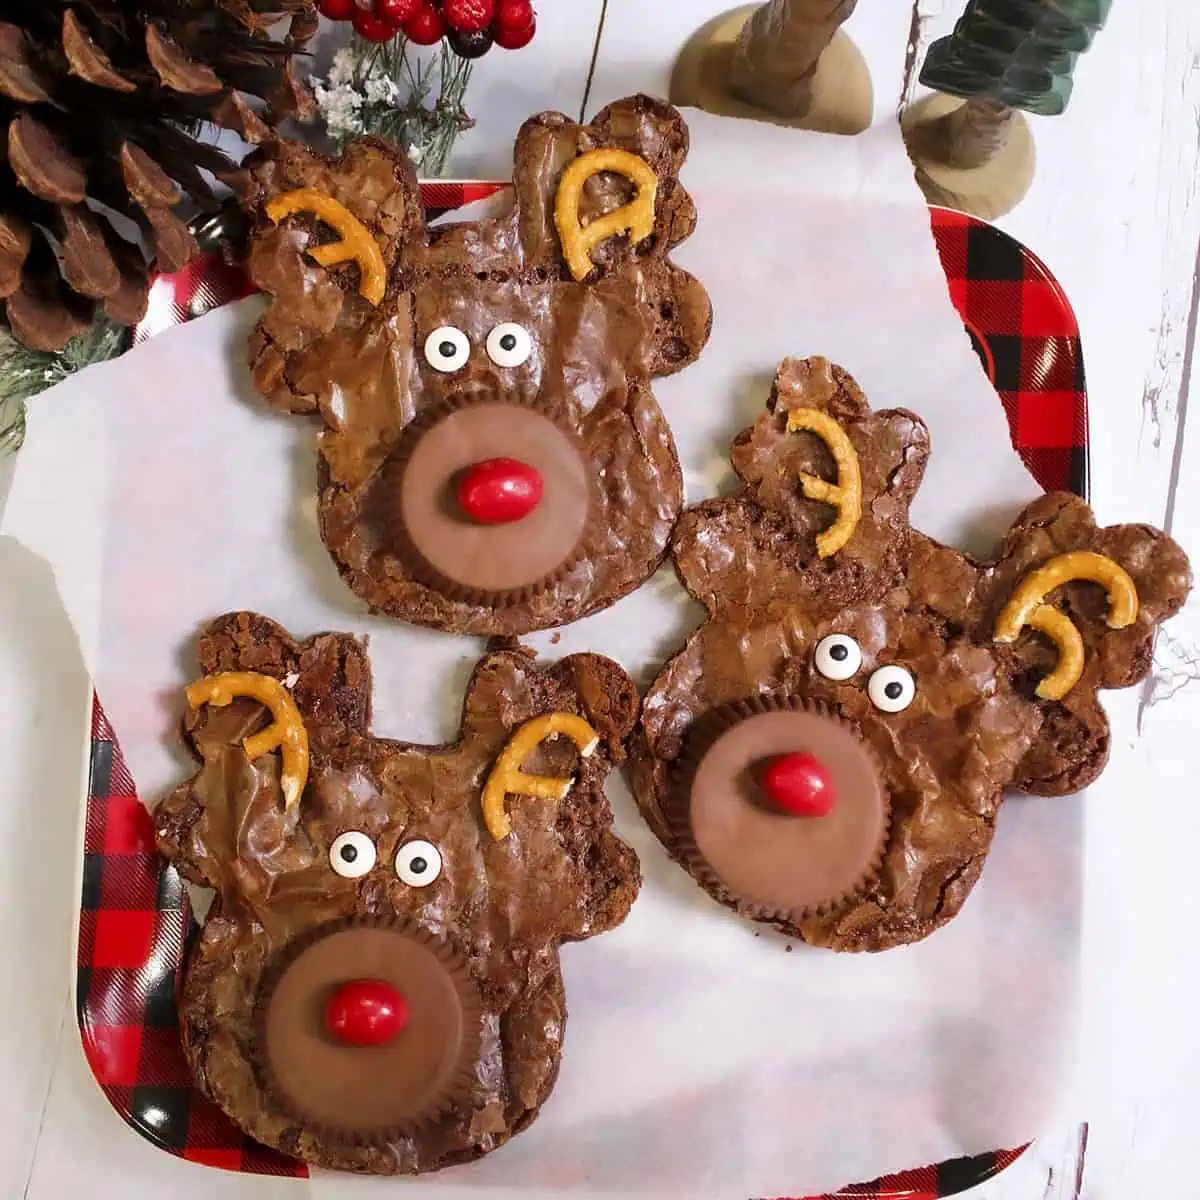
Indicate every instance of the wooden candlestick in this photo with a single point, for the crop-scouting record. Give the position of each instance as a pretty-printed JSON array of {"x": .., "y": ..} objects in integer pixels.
[
  {"x": 974, "y": 155},
  {"x": 787, "y": 62}
]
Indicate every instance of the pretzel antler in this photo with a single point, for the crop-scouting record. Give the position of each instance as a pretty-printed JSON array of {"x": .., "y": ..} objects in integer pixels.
[
  {"x": 846, "y": 494},
  {"x": 1025, "y": 607},
  {"x": 356, "y": 244},
  {"x": 285, "y": 733},
  {"x": 507, "y": 776},
  {"x": 635, "y": 218}
]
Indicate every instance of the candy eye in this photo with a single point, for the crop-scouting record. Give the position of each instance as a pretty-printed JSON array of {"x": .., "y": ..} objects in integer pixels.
[
  {"x": 837, "y": 656},
  {"x": 447, "y": 349},
  {"x": 891, "y": 689},
  {"x": 509, "y": 345},
  {"x": 418, "y": 863},
  {"x": 352, "y": 854}
]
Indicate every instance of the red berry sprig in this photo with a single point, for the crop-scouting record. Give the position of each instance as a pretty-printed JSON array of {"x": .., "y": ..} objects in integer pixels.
[{"x": 470, "y": 27}]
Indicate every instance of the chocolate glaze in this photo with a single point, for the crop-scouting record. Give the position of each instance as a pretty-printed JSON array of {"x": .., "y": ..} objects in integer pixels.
[
  {"x": 321, "y": 348},
  {"x": 503, "y": 907},
  {"x": 975, "y": 725}
]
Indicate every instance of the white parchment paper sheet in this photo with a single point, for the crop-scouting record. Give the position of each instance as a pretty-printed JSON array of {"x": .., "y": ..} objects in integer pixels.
[{"x": 703, "y": 1059}]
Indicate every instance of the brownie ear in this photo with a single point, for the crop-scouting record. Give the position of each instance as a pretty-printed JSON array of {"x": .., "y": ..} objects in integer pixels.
[
  {"x": 764, "y": 545},
  {"x": 1058, "y": 524},
  {"x": 314, "y": 311},
  {"x": 679, "y": 315},
  {"x": 233, "y": 799},
  {"x": 676, "y": 306},
  {"x": 1073, "y": 745},
  {"x": 549, "y": 142},
  {"x": 507, "y": 690}
]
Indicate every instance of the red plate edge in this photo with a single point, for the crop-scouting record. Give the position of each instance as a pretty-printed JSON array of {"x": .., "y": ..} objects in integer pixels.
[{"x": 134, "y": 933}]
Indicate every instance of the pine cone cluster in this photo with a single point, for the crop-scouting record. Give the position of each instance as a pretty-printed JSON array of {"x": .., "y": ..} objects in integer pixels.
[{"x": 100, "y": 105}]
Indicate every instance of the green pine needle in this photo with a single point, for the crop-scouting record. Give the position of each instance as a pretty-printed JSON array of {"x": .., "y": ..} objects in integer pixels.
[
  {"x": 24, "y": 372},
  {"x": 430, "y": 114}
]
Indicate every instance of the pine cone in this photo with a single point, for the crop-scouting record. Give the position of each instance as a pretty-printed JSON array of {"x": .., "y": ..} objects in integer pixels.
[{"x": 99, "y": 101}]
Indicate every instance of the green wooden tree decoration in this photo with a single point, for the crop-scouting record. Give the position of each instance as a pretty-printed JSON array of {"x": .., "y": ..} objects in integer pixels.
[{"x": 972, "y": 148}]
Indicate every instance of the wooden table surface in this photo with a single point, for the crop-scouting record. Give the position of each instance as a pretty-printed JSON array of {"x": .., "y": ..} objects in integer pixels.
[{"x": 1114, "y": 213}]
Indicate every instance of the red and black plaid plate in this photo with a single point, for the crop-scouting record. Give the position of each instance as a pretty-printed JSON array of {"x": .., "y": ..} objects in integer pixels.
[{"x": 135, "y": 924}]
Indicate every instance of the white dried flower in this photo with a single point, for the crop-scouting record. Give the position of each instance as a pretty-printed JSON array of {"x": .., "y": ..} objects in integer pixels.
[
  {"x": 381, "y": 89},
  {"x": 342, "y": 69},
  {"x": 415, "y": 154},
  {"x": 339, "y": 106}
]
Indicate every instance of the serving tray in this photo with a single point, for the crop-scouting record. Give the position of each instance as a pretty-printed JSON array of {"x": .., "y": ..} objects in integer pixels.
[{"x": 135, "y": 923}]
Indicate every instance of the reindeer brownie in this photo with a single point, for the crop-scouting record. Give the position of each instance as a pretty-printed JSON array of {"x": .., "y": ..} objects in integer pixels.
[
  {"x": 377, "y": 985},
  {"x": 492, "y": 458},
  {"x": 828, "y": 752}
]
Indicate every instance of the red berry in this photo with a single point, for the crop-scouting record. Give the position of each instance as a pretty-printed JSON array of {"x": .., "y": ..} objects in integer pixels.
[
  {"x": 515, "y": 39},
  {"x": 513, "y": 16},
  {"x": 337, "y": 10},
  {"x": 396, "y": 11},
  {"x": 468, "y": 16},
  {"x": 365, "y": 1012},
  {"x": 425, "y": 26},
  {"x": 367, "y": 25},
  {"x": 799, "y": 784},
  {"x": 470, "y": 45},
  {"x": 499, "y": 491}
]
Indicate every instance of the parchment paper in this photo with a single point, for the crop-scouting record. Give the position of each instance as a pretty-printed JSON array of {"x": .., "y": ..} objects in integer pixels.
[{"x": 704, "y": 1058}]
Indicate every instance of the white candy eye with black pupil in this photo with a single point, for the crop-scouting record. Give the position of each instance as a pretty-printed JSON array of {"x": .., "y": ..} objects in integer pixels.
[
  {"x": 509, "y": 345},
  {"x": 447, "y": 349},
  {"x": 352, "y": 854},
  {"x": 418, "y": 863},
  {"x": 837, "y": 656},
  {"x": 891, "y": 689}
]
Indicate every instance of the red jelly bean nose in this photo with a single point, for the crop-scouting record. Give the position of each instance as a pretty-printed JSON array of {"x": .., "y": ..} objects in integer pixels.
[
  {"x": 499, "y": 491},
  {"x": 799, "y": 784},
  {"x": 365, "y": 1012}
]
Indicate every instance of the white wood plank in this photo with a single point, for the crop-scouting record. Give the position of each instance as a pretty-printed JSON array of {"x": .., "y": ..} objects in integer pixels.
[{"x": 1153, "y": 1147}]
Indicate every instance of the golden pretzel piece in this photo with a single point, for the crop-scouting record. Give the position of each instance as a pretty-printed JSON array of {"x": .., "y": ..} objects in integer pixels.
[
  {"x": 507, "y": 777},
  {"x": 1026, "y": 607},
  {"x": 846, "y": 494},
  {"x": 286, "y": 732},
  {"x": 356, "y": 244},
  {"x": 635, "y": 218}
]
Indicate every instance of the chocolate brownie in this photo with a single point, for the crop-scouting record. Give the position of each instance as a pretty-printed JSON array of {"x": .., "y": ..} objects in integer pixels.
[
  {"x": 452, "y": 368},
  {"x": 377, "y": 985},
  {"x": 828, "y": 752}
]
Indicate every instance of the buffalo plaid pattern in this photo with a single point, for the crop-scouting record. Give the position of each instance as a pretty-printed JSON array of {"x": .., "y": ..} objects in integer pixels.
[
  {"x": 135, "y": 923},
  {"x": 135, "y": 928},
  {"x": 1026, "y": 335}
]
